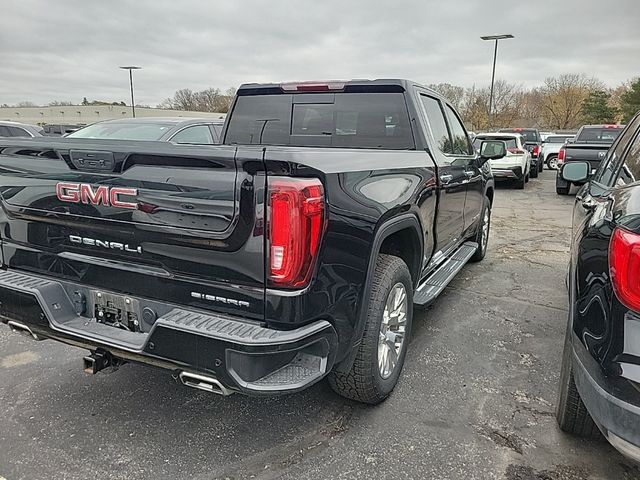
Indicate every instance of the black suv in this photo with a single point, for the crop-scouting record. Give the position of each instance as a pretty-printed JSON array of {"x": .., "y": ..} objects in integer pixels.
[
  {"x": 532, "y": 142},
  {"x": 600, "y": 378}
]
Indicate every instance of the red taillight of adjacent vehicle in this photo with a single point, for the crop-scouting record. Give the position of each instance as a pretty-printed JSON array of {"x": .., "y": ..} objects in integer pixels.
[
  {"x": 624, "y": 267},
  {"x": 296, "y": 216},
  {"x": 561, "y": 154},
  {"x": 536, "y": 151}
]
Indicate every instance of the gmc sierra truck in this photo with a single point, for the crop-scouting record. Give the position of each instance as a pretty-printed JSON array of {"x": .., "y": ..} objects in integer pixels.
[
  {"x": 293, "y": 251},
  {"x": 590, "y": 145}
]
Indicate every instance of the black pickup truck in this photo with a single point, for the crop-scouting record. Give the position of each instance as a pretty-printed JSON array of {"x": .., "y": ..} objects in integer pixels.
[
  {"x": 590, "y": 145},
  {"x": 293, "y": 251}
]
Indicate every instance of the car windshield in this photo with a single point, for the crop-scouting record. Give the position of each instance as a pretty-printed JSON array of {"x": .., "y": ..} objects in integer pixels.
[
  {"x": 529, "y": 135},
  {"x": 557, "y": 139},
  {"x": 123, "y": 131},
  {"x": 509, "y": 141},
  {"x": 598, "y": 134}
]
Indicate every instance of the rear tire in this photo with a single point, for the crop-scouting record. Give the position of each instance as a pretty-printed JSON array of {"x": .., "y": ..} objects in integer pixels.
[
  {"x": 520, "y": 182},
  {"x": 571, "y": 413},
  {"x": 366, "y": 381},
  {"x": 534, "y": 172},
  {"x": 552, "y": 162}
]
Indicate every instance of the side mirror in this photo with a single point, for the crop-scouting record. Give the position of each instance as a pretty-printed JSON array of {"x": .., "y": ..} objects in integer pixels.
[
  {"x": 576, "y": 172},
  {"x": 492, "y": 150}
]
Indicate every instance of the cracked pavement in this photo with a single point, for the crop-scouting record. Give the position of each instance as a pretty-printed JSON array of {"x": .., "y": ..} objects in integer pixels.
[{"x": 475, "y": 400}]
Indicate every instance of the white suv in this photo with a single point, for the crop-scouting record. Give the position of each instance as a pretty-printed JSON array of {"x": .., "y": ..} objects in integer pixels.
[{"x": 516, "y": 165}]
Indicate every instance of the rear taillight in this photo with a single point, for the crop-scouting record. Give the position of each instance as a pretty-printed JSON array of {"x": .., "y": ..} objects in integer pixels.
[
  {"x": 536, "y": 150},
  {"x": 515, "y": 150},
  {"x": 296, "y": 223},
  {"x": 561, "y": 154},
  {"x": 624, "y": 267}
]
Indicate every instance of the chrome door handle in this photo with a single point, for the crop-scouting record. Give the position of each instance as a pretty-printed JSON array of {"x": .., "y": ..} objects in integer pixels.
[{"x": 446, "y": 178}]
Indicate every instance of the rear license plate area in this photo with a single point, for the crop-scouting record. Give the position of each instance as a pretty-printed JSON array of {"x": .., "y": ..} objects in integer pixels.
[{"x": 117, "y": 311}]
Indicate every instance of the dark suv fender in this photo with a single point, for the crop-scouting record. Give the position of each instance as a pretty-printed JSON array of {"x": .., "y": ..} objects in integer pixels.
[{"x": 384, "y": 231}]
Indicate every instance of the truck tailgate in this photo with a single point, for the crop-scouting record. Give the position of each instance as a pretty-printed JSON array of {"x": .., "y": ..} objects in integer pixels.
[
  {"x": 592, "y": 153},
  {"x": 173, "y": 223}
]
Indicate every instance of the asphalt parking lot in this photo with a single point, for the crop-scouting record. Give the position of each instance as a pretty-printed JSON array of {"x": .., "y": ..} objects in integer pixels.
[{"x": 475, "y": 401}]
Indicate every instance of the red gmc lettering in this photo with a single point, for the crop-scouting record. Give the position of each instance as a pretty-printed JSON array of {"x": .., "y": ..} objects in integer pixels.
[
  {"x": 102, "y": 195},
  {"x": 116, "y": 191},
  {"x": 68, "y": 192}
]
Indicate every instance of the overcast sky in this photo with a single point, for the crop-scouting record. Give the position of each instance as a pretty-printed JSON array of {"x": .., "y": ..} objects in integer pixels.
[{"x": 68, "y": 49}]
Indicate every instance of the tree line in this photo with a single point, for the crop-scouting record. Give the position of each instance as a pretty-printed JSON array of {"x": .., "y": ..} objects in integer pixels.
[{"x": 564, "y": 102}]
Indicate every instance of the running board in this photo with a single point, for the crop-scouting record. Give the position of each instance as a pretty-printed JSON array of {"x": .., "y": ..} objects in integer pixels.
[{"x": 434, "y": 284}]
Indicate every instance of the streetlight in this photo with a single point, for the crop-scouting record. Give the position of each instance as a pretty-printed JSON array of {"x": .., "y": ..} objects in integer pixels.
[
  {"x": 133, "y": 104},
  {"x": 493, "y": 72}
]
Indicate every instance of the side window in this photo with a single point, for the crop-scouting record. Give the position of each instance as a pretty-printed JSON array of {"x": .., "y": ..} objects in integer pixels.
[
  {"x": 461, "y": 144},
  {"x": 18, "y": 132},
  {"x": 4, "y": 131},
  {"x": 198, "y": 134},
  {"x": 609, "y": 166},
  {"x": 630, "y": 169},
  {"x": 437, "y": 123}
]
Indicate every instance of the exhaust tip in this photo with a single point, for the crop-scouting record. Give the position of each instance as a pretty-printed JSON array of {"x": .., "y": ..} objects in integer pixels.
[
  {"x": 204, "y": 382},
  {"x": 22, "y": 329}
]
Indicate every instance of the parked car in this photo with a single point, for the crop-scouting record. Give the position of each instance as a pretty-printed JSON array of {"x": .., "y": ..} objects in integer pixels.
[
  {"x": 550, "y": 148},
  {"x": 600, "y": 375},
  {"x": 532, "y": 140},
  {"x": 226, "y": 264},
  {"x": 15, "y": 129},
  {"x": 58, "y": 129},
  {"x": 201, "y": 131},
  {"x": 590, "y": 145},
  {"x": 516, "y": 164}
]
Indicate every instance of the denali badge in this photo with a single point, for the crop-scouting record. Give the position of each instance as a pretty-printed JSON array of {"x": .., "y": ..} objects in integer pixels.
[
  {"x": 601, "y": 154},
  {"x": 104, "y": 244},
  {"x": 102, "y": 195}
]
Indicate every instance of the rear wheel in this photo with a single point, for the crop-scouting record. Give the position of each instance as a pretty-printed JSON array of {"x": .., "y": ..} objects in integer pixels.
[
  {"x": 571, "y": 413},
  {"x": 380, "y": 356},
  {"x": 534, "y": 172},
  {"x": 520, "y": 182},
  {"x": 540, "y": 165},
  {"x": 552, "y": 162}
]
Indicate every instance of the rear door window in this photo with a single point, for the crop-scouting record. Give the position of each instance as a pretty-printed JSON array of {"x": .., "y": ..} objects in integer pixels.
[
  {"x": 18, "y": 132},
  {"x": 198, "y": 134},
  {"x": 437, "y": 123},
  {"x": 461, "y": 144},
  {"x": 350, "y": 120}
]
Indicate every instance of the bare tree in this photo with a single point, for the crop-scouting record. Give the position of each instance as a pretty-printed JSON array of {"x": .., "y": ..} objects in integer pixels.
[
  {"x": 453, "y": 93},
  {"x": 209, "y": 100},
  {"x": 561, "y": 99},
  {"x": 508, "y": 101}
]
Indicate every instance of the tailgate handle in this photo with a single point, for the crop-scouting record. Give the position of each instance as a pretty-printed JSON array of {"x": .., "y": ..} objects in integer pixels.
[{"x": 92, "y": 160}]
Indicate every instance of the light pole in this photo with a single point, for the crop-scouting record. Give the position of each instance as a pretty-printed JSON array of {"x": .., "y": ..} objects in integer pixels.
[
  {"x": 493, "y": 71},
  {"x": 133, "y": 103}
]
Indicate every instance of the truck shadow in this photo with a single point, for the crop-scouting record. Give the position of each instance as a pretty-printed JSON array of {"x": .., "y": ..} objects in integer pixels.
[{"x": 140, "y": 419}]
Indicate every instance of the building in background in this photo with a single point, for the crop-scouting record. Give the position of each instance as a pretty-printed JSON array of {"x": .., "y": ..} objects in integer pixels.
[{"x": 85, "y": 114}]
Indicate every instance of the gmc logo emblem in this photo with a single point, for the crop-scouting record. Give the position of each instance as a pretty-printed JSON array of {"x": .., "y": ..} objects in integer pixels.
[{"x": 102, "y": 195}]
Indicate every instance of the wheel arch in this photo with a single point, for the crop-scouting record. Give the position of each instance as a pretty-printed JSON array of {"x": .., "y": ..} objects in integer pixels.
[{"x": 401, "y": 231}]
